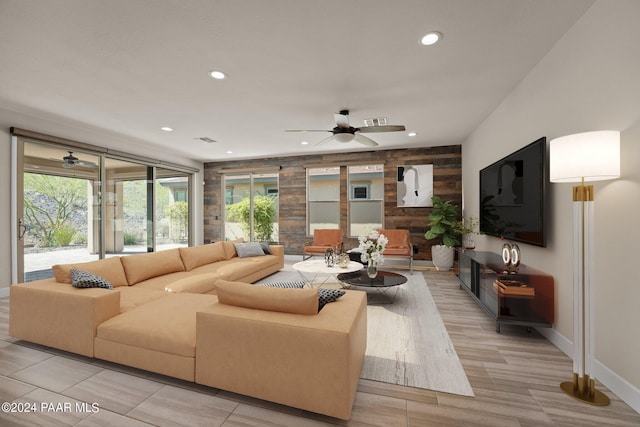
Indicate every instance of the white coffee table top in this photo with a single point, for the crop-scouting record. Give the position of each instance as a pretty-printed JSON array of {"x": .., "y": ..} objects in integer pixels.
[{"x": 318, "y": 266}]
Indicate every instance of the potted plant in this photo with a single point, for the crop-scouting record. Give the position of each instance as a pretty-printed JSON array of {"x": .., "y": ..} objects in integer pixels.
[
  {"x": 468, "y": 227},
  {"x": 444, "y": 225}
]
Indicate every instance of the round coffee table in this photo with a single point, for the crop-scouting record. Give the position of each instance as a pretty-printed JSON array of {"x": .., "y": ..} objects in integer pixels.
[
  {"x": 315, "y": 273},
  {"x": 384, "y": 281}
]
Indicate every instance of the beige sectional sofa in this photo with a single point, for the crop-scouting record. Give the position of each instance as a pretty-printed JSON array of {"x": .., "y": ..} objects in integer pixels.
[{"x": 164, "y": 315}]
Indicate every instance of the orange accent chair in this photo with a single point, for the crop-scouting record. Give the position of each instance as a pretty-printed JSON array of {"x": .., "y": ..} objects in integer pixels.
[
  {"x": 323, "y": 239},
  {"x": 399, "y": 246}
]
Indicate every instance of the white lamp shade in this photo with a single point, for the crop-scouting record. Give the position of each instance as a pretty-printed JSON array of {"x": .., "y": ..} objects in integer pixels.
[{"x": 594, "y": 156}]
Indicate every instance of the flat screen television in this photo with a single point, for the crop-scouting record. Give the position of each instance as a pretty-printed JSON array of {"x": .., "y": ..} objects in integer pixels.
[{"x": 513, "y": 195}]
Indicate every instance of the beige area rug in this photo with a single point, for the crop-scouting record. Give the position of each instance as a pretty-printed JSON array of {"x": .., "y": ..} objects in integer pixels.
[{"x": 407, "y": 342}]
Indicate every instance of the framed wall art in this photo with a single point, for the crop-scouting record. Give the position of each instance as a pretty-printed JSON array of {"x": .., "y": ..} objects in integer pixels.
[{"x": 415, "y": 186}]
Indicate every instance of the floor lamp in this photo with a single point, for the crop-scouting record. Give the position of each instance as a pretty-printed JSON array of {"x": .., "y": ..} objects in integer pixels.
[{"x": 584, "y": 157}]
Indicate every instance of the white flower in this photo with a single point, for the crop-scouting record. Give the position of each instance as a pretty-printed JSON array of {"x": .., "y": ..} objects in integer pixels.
[{"x": 371, "y": 247}]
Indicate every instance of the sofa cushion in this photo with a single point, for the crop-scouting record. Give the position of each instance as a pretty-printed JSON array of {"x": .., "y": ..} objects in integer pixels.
[
  {"x": 166, "y": 325},
  {"x": 285, "y": 300},
  {"x": 84, "y": 279},
  {"x": 109, "y": 269},
  {"x": 196, "y": 256},
  {"x": 248, "y": 249},
  {"x": 144, "y": 266},
  {"x": 230, "y": 249},
  {"x": 135, "y": 296},
  {"x": 195, "y": 284}
]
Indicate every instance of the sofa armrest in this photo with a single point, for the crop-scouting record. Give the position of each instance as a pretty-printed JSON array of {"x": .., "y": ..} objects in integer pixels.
[
  {"x": 277, "y": 250},
  {"x": 58, "y": 315},
  {"x": 311, "y": 362}
]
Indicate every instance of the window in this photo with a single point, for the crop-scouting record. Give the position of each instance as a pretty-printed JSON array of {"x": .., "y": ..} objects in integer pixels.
[
  {"x": 251, "y": 206},
  {"x": 359, "y": 191},
  {"x": 323, "y": 198},
  {"x": 366, "y": 201}
]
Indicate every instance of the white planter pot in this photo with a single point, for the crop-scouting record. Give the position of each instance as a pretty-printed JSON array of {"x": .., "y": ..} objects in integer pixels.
[{"x": 442, "y": 257}]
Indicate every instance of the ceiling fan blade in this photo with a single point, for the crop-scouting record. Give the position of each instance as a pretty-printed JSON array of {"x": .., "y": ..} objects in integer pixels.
[
  {"x": 329, "y": 138},
  {"x": 306, "y": 130},
  {"x": 85, "y": 164},
  {"x": 342, "y": 120},
  {"x": 365, "y": 140},
  {"x": 385, "y": 128}
]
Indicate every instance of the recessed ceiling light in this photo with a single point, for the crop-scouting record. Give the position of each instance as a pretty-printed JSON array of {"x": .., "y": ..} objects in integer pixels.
[
  {"x": 431, "y": 38},
  {"x": 412, "y": 134},
  {"x": 229, "y": 152},
  {"x": 167, "y": 129},
  {"x": 304, "y": 143},
  {"x": 218, "y": 75}
]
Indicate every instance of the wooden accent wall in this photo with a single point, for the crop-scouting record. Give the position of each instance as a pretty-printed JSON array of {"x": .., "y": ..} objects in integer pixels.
[{"x": 447, "y": 183}]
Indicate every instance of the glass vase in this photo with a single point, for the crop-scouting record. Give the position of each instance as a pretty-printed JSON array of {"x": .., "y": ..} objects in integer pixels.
[{"x": 372, "y": 269}]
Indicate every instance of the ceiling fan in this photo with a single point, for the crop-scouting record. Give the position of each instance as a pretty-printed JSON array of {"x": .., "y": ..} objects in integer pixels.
[
  {"x": 343, "y": 132},
  {"x": 72, "y": 161}
]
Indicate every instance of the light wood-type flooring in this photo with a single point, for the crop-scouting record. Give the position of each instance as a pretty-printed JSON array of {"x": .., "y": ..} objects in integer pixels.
[{"x": 515, "y": 376}]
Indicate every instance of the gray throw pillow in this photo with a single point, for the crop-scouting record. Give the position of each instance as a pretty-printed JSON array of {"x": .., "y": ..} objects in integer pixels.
[
  {"x": 265, "y": 248},
  {"x": 84, "y": 279},
  {"x": 248, "y": 249}
]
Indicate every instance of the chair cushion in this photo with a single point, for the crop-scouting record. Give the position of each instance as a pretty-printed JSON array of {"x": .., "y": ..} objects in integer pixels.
[
  {"x": 327, "y": 237},
  {"x": 397, "y": 238}
]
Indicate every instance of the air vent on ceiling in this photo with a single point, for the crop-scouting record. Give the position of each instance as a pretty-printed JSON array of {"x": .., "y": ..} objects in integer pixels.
[
  {"x": 380, "y": 121},
  {"x": 205, "y": 139}
]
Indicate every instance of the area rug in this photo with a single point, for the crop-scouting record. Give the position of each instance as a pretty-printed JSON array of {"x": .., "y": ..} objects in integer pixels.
[{"x": 407, "y": 342}]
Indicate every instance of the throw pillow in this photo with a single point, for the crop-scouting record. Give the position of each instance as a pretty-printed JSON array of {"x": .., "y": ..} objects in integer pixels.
[
  {"x": 248, "y": 249},
  {"x": 265, "y": 248},
  {"x": 84, "y": 279},
  {"x": 325, "y": 296},
  {"x": 299, "y": 284}
]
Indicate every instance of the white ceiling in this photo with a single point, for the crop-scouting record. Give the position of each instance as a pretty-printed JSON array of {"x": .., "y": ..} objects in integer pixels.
[{"x": 132, "y": 67}]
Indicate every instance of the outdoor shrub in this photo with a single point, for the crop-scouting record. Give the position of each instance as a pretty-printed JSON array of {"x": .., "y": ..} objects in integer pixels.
[{"x": 64, "y": 234}]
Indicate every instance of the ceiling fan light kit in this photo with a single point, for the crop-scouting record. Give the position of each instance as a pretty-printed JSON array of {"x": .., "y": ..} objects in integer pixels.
[{"x": 344, "y": 132}]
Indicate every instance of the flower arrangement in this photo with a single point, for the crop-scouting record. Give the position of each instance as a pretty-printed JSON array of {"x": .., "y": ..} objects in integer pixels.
[{"x": 371, "y": 247}]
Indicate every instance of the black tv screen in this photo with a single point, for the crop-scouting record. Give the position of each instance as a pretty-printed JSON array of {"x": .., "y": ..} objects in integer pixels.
[{"x": 513, "y": 195}]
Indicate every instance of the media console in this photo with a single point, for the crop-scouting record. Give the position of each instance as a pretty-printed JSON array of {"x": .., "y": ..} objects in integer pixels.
[{"x": 524, "y": 297}]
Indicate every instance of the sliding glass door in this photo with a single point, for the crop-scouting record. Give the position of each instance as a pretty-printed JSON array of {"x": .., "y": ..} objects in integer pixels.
[
  {"x": 59, "y": 211},
  {"x": 76, "y": 205}
]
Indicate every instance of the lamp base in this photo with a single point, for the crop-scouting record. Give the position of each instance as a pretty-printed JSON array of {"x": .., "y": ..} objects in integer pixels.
[{"x": 584, "y": 390}]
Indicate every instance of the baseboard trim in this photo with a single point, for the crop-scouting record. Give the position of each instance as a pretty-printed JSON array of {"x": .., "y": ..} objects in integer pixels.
[{"x": 626, "y": 391}]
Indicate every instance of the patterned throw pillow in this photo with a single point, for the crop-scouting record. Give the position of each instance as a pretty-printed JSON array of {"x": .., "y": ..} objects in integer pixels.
[
  {"x": 84, "y": 279},
  {"x": 325, "y": 296},
  {"x": 299, "y": 284}
]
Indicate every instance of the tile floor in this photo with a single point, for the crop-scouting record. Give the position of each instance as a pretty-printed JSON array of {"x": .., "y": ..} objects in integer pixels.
[{"x": 514, "y": 375}]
